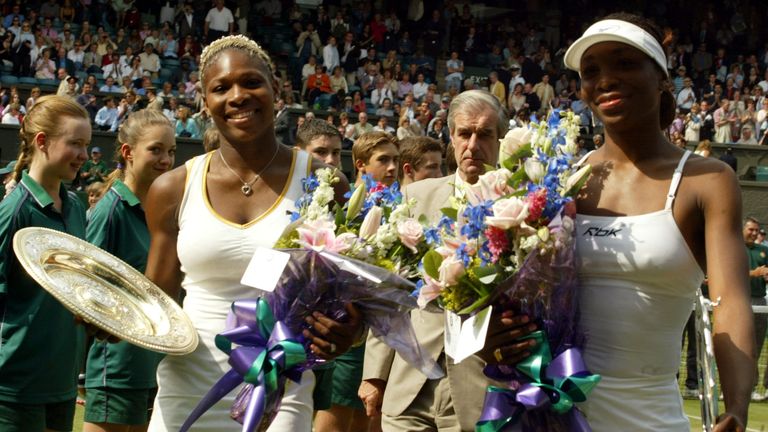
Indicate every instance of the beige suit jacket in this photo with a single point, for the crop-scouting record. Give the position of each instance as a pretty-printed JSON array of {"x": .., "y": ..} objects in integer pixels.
[{"x": 466, "y": 380}]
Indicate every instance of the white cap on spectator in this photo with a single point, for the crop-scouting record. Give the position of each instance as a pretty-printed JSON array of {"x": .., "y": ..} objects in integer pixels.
[{"x": 616, "y": 31}]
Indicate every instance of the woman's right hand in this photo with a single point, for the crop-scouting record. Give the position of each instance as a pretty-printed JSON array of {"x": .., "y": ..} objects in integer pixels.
[
  {"x": 371, "y": 392},
  {"x": 502, "y": 345}
]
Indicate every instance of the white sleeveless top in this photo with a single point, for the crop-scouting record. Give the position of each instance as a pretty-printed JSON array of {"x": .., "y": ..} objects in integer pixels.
[
  {"x": 638, "y": 279},
  {"x": 214, "y": 254}
]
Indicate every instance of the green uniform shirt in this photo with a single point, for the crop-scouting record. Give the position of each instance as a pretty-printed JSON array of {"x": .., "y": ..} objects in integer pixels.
[
  {"x": 758, "y": 255},
  {"x": 98, "y": 170},
  {"x": 118, "y": 225},
  {"x": 41, "y": 348}
]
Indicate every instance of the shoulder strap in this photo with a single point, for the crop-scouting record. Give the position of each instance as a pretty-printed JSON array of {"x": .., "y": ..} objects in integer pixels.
[
  {"x": 194, "y": 168},
  {"x": 676, "y": 177}
]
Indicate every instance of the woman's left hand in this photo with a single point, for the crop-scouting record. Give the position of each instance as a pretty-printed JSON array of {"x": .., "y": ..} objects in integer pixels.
[
  {"x": 330, "y": 338},
  {"x": 728, "y": 422}
]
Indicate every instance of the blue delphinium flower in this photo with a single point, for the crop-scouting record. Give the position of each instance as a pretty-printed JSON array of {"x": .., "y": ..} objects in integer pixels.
[
  {"x": 432, "y": 236},
  {"x": 476, "y": 219},
  {"x": 462, "y": 254},
  {"x": 445, "y": 224}
]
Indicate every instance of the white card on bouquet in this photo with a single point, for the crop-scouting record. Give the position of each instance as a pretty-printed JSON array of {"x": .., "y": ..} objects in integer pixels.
[
  {"x": 265, "y": 269},
  {"x": 463, "y": 339}
]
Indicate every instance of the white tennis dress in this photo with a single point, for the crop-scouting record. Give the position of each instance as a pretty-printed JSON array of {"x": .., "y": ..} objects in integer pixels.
[
  {"x": 214, "y": 254},
  {"x": 638, "y": 279}
]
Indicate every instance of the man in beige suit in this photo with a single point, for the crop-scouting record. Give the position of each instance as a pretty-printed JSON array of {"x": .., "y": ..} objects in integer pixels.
[{"x": 411, "y": 402}]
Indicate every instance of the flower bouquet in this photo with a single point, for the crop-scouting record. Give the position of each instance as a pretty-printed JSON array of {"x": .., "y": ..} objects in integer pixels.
[
  {"x": 509, "y": 243},
  {"x": 338, "y": 255}
]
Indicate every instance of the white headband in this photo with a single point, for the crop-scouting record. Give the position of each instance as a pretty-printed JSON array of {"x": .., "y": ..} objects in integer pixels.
[{"x": 616, "y": 31}]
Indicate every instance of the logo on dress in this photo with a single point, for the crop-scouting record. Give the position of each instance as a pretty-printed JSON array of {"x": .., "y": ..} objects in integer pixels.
[{"x": 602, "y": 232}]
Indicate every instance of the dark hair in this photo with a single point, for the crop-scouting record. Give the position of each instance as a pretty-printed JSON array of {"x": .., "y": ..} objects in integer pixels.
[
  {"x": 312, "y": 129},
  {"x": 413, "y": 149},
  {"x": 667, "y": 104}
]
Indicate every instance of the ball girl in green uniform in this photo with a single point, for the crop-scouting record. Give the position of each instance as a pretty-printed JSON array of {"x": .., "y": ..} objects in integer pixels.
[
  {"x": 120, "y": 377},
  {"x": 41, "y": 347}
]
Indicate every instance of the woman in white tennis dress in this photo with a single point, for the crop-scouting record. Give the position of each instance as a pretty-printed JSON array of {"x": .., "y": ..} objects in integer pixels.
[
  {"x": 650, "y": 220},
  {"x": 206, "y": 220}
]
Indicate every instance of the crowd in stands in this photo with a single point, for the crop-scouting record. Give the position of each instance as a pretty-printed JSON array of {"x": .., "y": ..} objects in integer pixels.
[{"x": 402, "y": 62}]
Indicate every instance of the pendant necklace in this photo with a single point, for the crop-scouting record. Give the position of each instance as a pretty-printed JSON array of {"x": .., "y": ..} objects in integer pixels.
[{"x": 246, "y": 188}]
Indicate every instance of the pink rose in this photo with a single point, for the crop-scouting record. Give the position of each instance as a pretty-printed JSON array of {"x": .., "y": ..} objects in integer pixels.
[
  {"x": 508, "y": 213},
  {"x": 490, "y": 186},
  {"x": 410, "y": 232},
  {"x": 451, "y": 269}
]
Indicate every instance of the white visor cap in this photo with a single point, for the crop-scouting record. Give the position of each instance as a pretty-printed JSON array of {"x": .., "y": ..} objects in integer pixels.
[{"x": 616, "y": 31}]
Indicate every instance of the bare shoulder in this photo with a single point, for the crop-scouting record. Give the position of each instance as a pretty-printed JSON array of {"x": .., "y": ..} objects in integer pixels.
[
  {"x": 165, "y": 196},
  {"x": 711, "y": 177},
  {"x": 169, "y": 187}
]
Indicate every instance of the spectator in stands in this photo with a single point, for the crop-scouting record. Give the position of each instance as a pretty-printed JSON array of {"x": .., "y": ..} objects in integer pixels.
[
  {"x": 153, "y": 38},
  {"x": 109, "y": 86},
  {"x": 69, "y": 88},
  {"x": 103, "y": 43},
  {"x": 349, "y": 128},
  {"x": 686, "y": 97},
  {"x": 420, "y": 87},
  {"x": 13, "y": 116},
  {"x": 106, "y": 117},
  {"x": 154, "y": 101},
  {"x": 404, "y": 86},
  {"x": 331, "y": 54},
  {"x": 362, "y": 126},
  {"x": 171, "y": 112},
  {"x": 45, "y": 68},
  {"x": 405, "y": 44},
  {"x": 439, "y": 132},
  {"x": 22, "y": 47},
  {"x": 367, "y": 81},
  {"x": 85, "y": 95},
  {"x": 92, "y": 59},
  {"x": 404, "y": 128},
  {"x": 34, "y": 94},
  {"x": 76, "y": 55},
  {"x": 186, "y": 22},
  {"x": 67, "y": 12},
  {"x": 517, "y": 99},
  {"x": 219, "y": 22},
  {"x": 385, "y": 109},
  {"x": 380, "y": 93},
  {"x": 308, "y": 43},
  {"x": 121, "y": 7},
  {"x": 383, "y": 126},
  {"x": 747, "y": 135},
  {"x": 186, "y": 127},
  {"x": 6, "y": 52},
  {"x": 94, "y": 169},
  {"x": 317, "y": 84},
  {"x": 358, "y": 103},
  {"x": 48, "y": 32},
  {"x": 545, "y": 92},
  {"x": 532, "y": 101},
  {"x": 496, "y": 87},
  {"x": 114, "y": 69},
  {"x": 454, "y": 71},
  {"x": 135, "y": 71},
  {"x": 169, "y": 47},
  {"x": 14, "y": 16},
  {"x": 339, "y": 85},
  {"x": 724, "y": 119},
  {"x": 693, "y": 122},
  {"x": 150, "y": 62}
]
